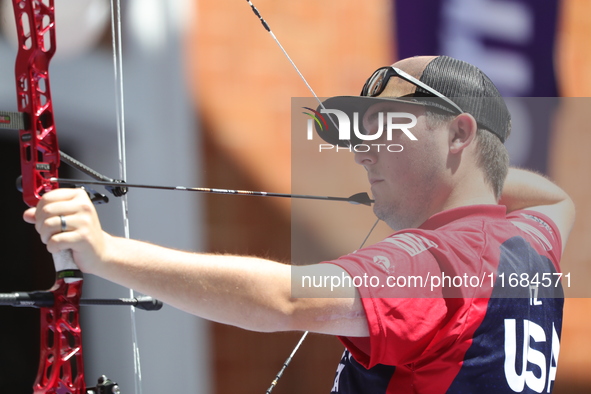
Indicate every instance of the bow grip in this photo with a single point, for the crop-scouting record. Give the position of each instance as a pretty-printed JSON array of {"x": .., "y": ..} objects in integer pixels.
[{"x": 65, "y": 267}]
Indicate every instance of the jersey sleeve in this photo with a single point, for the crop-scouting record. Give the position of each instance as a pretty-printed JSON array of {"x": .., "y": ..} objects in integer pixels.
[
  {"x": 403, "y": 313},
  {"x": 543, "y": 230}
]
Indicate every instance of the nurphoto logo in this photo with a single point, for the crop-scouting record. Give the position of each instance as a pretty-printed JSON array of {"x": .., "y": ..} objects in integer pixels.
[{"x": 387, "y": 122}]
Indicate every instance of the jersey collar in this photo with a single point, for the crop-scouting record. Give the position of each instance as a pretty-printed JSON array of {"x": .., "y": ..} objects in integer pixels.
[{"x": 488, "y": 211}]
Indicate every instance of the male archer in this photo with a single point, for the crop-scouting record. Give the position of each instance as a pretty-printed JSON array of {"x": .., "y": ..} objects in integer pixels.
[{"x": 457, "y": 211}]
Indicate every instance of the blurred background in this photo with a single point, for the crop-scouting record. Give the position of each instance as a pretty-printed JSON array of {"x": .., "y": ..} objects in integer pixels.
[{"x": 208, "y": 103}]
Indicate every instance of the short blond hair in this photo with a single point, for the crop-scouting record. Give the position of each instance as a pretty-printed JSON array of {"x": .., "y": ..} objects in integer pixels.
[{"x": 493, "y": 157}]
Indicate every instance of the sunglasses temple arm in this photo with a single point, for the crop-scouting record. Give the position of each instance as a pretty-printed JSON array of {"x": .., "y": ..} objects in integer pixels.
[{"x": 428, "y": 88}]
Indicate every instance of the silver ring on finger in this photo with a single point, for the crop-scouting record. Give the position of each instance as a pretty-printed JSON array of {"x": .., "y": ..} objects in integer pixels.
[{"x": 63, "y": 223}]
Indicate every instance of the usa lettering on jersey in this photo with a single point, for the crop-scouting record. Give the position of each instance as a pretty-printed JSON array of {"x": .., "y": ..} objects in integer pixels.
[{"x": 537, "y": 372}]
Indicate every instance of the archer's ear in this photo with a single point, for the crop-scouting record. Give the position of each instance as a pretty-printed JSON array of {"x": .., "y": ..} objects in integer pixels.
[{"x": 462, "y": 132}]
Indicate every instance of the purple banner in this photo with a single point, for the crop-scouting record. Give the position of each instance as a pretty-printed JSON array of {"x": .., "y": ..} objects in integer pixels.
[{"x": 512, "y": 41}]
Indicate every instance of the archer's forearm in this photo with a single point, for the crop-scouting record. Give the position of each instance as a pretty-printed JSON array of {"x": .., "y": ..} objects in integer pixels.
[
  {"x": 525, "y": 189},
  {"x": 528, "y": 190},
  {"x": 247, "y": 292}
]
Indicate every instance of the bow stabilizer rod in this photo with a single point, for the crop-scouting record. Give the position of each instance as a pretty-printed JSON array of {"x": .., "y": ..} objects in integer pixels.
[{"x": 46, "y": 299}]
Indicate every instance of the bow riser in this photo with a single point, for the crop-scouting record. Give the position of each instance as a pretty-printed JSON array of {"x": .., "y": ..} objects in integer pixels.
[
  {"x": 61, "y": 369},
  {"x": 38, "y": 142},
  {"x": 61, "y": 364}
]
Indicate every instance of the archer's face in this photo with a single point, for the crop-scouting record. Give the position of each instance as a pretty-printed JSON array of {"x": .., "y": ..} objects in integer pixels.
[{"x": 407, "y": 186}]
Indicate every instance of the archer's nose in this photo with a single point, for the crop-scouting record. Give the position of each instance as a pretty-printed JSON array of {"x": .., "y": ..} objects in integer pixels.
[{"x": 365, "y": 157}]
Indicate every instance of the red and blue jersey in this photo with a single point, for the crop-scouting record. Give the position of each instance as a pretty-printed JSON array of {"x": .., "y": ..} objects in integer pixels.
[{"x": 469, "y": 302}]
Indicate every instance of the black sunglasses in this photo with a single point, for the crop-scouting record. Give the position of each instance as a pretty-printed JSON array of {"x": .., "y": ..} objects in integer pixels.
[{"x": 379, "y": 79}]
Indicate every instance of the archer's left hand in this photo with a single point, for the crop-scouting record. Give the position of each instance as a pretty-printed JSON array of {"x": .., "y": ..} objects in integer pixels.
[{"x": 67, "y": 219}]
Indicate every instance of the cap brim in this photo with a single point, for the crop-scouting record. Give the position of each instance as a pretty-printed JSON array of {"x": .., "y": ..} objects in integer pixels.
[{"x": 329, "y": 131}]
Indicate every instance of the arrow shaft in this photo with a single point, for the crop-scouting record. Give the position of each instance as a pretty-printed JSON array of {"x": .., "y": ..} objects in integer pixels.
[{"x": 205, "y": 190}]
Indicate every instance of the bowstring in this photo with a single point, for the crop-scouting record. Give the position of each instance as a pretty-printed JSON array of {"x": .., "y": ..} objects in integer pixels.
[
  {"x": 121, "y": 151},
  {"x": 305, "y": 334},
  {"x": 268, "y": 29}
]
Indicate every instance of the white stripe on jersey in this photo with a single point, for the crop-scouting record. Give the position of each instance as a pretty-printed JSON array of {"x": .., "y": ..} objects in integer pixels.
[
  {"x": 535, "y": 233},
  {"x": 411, "y": 243}
]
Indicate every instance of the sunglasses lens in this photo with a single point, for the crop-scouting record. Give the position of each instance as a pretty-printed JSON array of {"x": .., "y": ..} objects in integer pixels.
[{"x": 375, "y": 84}]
